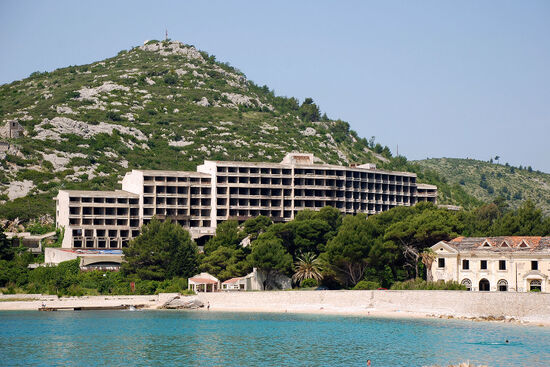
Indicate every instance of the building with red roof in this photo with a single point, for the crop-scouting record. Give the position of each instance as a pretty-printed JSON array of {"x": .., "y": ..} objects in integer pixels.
[{"x": 203, "y": 282}]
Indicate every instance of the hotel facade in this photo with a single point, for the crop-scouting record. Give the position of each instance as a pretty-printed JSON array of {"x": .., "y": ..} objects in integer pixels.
[
  {"x": 513, "y": 263},
  {"x": 221, "y": 191}
]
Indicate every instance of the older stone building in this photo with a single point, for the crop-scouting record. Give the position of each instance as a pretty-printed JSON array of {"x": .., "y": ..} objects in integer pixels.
[
  {"x": 513, "y": 263},
  {"x": 11, "y": 130},
  {"x": 221, "y": 191}
]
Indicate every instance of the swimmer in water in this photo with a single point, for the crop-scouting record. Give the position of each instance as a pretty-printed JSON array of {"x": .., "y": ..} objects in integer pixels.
[{"x": 507, "y": 342}]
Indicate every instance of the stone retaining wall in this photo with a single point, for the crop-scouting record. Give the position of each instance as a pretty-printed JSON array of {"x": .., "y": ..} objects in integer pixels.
[{"x": 521, "y": 306}]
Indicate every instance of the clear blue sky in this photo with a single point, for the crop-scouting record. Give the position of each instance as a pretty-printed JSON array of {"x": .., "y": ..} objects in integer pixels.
[{"x": 438, "y": 78}]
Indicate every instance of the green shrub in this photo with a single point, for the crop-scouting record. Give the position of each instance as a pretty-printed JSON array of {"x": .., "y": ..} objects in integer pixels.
[
  {"x": 309, "y": 283},
  {"x": 420, "y": 284},
  {"x": 37, "y": 228},
  {"x": 366, "y": 285},
  {"x": 170, "y": 79}
]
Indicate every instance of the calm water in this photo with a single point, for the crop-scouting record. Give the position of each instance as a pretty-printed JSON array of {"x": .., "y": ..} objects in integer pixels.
[{"x": 152, "y": 338}]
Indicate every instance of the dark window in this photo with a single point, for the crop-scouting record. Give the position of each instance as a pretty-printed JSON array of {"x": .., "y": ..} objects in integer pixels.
[
  {"x": 483, "y": 265},
  {"x": 534, "y": 265},
  {"x": 441, "y": 262},
  {"x": 502, "y": 265},
  {"x": 465, "y": 264}
]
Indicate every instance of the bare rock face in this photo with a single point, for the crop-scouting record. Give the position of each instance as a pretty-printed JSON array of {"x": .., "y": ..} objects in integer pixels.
[
  {"x": 173, "y": 48},
  {"x": 18, "y": 189},
  {"x": 65, "y": 125},
  {"x": 178, "y": 303}
]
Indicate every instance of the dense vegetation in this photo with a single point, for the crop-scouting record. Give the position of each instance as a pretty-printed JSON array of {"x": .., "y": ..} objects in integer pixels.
[
  {"x": 316, "y": 248},
  {"x": 488, "y": 181}
]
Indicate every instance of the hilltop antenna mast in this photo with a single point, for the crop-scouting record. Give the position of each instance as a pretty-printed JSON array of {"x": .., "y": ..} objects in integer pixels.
[{"x": 166, "y": 35}]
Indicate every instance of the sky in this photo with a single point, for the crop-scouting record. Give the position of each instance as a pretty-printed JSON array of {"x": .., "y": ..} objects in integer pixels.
[{"x": 464, "y": 79}]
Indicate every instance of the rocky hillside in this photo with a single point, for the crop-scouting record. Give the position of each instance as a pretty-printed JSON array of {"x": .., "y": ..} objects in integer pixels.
[
  {"x": 487, "y": 181},
  {"x": 163, "y": 105}
]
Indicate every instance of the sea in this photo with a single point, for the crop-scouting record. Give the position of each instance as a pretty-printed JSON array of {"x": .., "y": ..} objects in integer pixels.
[{"x": 207, "y": 338}]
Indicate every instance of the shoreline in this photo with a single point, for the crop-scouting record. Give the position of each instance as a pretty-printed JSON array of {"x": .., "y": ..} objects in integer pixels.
[{"x": 383, "y": 304}]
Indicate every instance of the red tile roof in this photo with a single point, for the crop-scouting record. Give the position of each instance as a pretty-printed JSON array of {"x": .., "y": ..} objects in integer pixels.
[
  {"x": 534, "y": 243},
  {"x": 203, "y": 280},
  {"x": 232, "y": 280}
]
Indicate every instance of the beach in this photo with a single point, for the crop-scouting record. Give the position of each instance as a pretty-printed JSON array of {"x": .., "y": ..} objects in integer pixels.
[{"x": 491, "y": 306}]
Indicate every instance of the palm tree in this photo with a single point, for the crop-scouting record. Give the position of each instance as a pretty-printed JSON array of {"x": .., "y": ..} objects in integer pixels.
[
  {"x": 307, "y": 266},
  {"x": 428, "y": 256}
]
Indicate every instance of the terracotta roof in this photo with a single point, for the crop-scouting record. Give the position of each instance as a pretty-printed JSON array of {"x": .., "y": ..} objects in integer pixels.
[
  {"x": 501, "y": 243},
  {"x": 232, "y": 280},
  {"x": 203, "y": 280}
]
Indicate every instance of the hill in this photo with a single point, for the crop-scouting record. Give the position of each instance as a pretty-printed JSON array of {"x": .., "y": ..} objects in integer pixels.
[
  {"x": 166, "y": 105},
  {"x": 488, "y": 181},
  {"x": 163, "y": 105}
]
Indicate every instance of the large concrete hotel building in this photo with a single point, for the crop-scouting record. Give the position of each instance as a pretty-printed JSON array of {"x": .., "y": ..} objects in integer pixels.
[{"x": 219, "y": 191}]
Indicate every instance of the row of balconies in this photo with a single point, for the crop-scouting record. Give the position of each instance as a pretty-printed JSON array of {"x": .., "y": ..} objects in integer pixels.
[
  {"x": 194, "y": 223},
  {"x": 94, "y": 242},
  {"x": 177, "y": 190},
  {"x": 104, "y": 232},
  {"x": 104, "y": 222},
  {"x": 204, "y": 180},
  {"x": 87, "y": 210},
  {"x": 253, "y": 170},
  {"x": 102, "y": 200}
]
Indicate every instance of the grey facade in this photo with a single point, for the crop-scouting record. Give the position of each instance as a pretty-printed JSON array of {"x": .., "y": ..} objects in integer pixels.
[{"x": 221, "y": 190}]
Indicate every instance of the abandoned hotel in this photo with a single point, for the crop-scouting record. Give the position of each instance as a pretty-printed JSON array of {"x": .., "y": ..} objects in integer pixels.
[{"x": 219, "y": 191}]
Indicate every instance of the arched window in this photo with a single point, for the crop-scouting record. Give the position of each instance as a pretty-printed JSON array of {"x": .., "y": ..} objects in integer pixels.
[
  {"x": 535, "y": 285},
  {"x": 502, "y": 285},
  {"x": 484, "y": 285},
  {"x": 467, "y": 283}
]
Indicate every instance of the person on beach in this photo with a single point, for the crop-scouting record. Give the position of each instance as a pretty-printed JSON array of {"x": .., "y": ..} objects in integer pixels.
[{"x": 208, "y": 306}]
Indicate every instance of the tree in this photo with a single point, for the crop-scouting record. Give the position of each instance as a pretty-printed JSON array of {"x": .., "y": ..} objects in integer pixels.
[
  {"x": 428, "y": 257},
  {"x": 227, "y": 234},
  {"x": 426, "y": 227},
  {"x": 163, "y": 250},
  {"x": 269, "y": 255},
  {"x": 347, "y": 253},
  {"x": 226, "y": 262},
  {"x": 308, "y": 266},
  {"x": 527, "y": 220},
  {"x": 6, "y": 250},
  {"x": 253, "y": 227},
  {"x": 309, "y": 111}
]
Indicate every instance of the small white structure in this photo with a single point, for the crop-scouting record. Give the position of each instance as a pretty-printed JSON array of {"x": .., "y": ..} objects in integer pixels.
[
  {"x": 234, "y": 284},
  {"x": 511, "y": 263},
  {"x": 203, "y": 282},
  {"x": 255, "y": 282},
  {"x": 89, "y": 259},
  {"x": 33, "y": 242}
]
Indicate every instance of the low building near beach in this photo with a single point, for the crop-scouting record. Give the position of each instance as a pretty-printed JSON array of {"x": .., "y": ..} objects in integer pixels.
[
  {"x": 203, "y": 282},
  {"x": 507, "y": 263},
  {"x": 107, "y": 260},
  {"x": 234, "y": 284},
  {"x": 33, "y": 242},
  {"x": 254, "y": 281}
]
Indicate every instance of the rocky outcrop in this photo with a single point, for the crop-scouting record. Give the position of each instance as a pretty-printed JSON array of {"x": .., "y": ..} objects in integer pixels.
[
  {"x": 54, "y": 128},
  {"x": 178, "y": 303}
]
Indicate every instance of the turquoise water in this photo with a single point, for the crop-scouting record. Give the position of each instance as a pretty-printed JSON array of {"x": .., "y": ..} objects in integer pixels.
[{"x": 153, "y": 338}]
